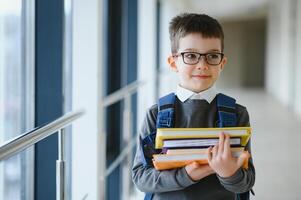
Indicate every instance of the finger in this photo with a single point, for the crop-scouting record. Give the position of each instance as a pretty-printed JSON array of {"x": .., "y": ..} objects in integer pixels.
[
  {"x": 227, "y": 148},
  {"x": 221, "y": 143},
  {"x": 209, "y": 154},
  {"x": 214, "y": 151},
  {"x": 195, "y": 165},
  {"x": 243, "y": 158},
  {"x": 192, "y": 165}
]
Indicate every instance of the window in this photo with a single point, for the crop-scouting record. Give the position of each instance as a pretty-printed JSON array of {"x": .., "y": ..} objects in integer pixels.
[{"x": 16, "y": 94}]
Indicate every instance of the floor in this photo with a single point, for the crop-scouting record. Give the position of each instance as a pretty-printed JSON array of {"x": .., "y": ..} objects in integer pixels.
[{"x": 275, "y": 146}]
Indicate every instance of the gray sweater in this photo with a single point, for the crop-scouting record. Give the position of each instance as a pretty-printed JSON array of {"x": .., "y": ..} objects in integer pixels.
[{"x": 176, "y": 184}]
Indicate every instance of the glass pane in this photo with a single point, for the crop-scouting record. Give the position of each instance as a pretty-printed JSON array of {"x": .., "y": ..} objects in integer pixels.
[{"x": 13, "y": 91}]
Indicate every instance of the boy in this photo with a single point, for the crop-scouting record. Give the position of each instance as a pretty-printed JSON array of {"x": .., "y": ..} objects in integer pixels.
[{"x": 197, "y": 57}]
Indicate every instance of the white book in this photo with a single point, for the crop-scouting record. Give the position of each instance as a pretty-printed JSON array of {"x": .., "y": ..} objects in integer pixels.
[{"x": 197, "y": 142}]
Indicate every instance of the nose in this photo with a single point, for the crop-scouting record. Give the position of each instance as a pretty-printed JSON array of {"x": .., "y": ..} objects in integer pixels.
[{"x": 202, "y": 64}]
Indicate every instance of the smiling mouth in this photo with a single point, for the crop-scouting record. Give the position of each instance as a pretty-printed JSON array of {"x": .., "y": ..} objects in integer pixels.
[{"x": 201, "y": 76}]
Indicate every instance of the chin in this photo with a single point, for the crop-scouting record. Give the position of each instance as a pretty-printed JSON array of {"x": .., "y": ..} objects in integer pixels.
[
  {"x": 201, "y": 88},
  {"x": 198, "y": 90}
]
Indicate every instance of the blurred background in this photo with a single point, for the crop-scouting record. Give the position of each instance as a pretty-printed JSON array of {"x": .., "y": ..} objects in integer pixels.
[{"x": 109, "y": 57}]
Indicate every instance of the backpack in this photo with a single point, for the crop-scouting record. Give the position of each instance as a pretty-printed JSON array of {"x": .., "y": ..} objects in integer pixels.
[{"x": 165, "y": 119}]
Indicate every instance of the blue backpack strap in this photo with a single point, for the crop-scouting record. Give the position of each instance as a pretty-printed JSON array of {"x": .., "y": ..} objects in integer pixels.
[
  {"x": 147, "y": 149},
  {"x": 148, "y": 196},
  {"x": 165, "y": 119},
  {"x": 226, "y": 108},
  {"x": 166, "y": 111}
]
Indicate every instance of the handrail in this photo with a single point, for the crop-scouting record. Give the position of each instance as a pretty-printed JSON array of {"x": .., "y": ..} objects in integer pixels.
[
  {"x": 25, "y": 140},
  {"x": 121, "y": 93},
  {"x": 121, "y": 157}
]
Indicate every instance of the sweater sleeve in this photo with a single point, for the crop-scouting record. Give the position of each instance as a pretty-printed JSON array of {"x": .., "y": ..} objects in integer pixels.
[
  {"x": 244, "y": 179},
  {"x": 148, "y": 179}
]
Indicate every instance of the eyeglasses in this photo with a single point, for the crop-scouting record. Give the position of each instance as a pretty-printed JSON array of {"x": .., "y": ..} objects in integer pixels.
[{"x": 193, "y": 58}]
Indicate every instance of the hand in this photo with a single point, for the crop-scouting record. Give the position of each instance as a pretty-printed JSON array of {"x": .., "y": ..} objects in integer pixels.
[
  {"x": 221, "y": 160},
  {"x": 197, "y": 171}
]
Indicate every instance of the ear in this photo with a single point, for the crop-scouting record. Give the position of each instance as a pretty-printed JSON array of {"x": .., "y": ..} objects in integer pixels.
[
  {"x": 223, "y": 63},
  {"x": 172, "y": 63}
]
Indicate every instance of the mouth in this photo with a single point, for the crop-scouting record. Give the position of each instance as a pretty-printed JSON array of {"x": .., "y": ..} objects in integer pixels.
[{"x": 201, "y": 76}]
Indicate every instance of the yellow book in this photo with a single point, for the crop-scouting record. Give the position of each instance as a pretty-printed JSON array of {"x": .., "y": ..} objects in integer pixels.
[{"x": 185, "y": 133}]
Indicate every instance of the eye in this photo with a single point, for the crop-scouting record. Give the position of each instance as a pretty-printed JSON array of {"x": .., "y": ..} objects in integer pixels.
[
  {"x": 213, "y": 56},
  {"x": 191, "y": 56}
]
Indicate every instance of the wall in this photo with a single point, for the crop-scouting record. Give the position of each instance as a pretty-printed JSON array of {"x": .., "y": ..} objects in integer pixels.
[
  {"x": 297, "y": 88},
  {"x": 87, "y": 56},
  {"x": 146, "y": 56},
  {"x": 283, "y": 53},
  {"x": 245, "y": 50},
  {"x": 280, "y": 52}
]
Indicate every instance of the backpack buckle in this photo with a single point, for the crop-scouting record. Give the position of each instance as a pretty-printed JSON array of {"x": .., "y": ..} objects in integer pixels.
[{"x": 165, "y": 118}]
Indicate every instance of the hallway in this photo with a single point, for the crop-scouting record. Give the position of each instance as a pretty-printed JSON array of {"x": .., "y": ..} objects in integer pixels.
[{"x": 275, "y": 146}]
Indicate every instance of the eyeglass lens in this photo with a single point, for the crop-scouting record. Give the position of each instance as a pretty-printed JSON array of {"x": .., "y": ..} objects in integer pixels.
[{"x": 193, "y": 58}]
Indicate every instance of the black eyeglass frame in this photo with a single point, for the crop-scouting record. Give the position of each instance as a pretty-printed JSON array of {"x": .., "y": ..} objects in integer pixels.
[{"x": 200, "y": 55}]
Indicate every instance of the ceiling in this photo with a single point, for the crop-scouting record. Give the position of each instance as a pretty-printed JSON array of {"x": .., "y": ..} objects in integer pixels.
[{"x": 224, "y": 9}]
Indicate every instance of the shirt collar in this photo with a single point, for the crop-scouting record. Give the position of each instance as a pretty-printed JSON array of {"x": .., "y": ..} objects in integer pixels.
[{"x": 183, "y": 94}]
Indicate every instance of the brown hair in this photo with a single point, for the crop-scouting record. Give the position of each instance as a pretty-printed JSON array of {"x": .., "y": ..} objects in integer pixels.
[{"x": 187, "y": 23}]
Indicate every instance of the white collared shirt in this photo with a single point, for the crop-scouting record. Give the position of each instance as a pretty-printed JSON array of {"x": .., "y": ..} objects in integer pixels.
[{"x": 183, "y": 94}]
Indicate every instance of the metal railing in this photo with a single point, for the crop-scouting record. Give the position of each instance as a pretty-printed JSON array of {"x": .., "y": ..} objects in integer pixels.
[
  {"x": 124, "y": 94},
  {"x": 30, "y": 138}
]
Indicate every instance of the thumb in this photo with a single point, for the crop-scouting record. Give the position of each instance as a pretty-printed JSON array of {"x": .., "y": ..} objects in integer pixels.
[{"x": 242, "y": 158}]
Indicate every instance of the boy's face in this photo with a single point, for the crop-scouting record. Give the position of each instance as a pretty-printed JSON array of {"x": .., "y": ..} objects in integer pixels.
[{"x": 198, "y": 76}]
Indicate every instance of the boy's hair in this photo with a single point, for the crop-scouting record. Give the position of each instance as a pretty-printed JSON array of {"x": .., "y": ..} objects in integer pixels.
[{"x": 187, "y": 23}]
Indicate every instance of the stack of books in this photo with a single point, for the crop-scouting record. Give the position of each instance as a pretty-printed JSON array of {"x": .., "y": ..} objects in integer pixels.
[{"x": 181, "y": 146}]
